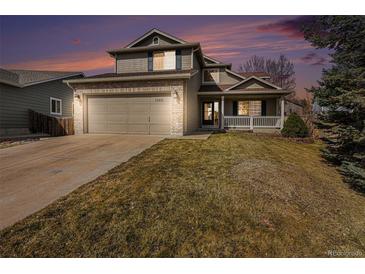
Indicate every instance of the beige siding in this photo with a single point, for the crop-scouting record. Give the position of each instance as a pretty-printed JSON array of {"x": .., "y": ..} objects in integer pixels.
[
  {"x": 226, "y": 78},
  {"x": 132, "y": 62},
  {"x": 192, "y": 107},
  {"x": 148, "y": 41},
  {"x": 253, "y": 83},
  {"x": 138, "y": 62},
  {"x": 196, "y": 64},
  {"x": 186, "y": 58}
]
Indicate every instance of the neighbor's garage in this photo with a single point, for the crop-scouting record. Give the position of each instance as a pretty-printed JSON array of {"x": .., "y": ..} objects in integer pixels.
[{"x": 129, "y": 114}]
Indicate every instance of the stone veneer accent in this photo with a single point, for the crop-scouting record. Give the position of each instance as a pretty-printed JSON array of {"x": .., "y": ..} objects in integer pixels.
[{"x": 173, "y": 87}]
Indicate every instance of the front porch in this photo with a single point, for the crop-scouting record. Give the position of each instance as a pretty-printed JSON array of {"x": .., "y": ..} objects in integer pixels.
[{"x": 242, "y": 112}]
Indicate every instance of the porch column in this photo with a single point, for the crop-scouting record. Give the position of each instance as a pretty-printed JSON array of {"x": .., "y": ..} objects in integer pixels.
[
  {"x": 222, "y": 112},
  {"x": 282, "y": 110}
]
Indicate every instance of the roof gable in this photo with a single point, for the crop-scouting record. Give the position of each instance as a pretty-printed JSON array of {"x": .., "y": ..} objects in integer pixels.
[
  {"x": 23, "y": 78},
  {"x": 210, "y": 60},
  {"x": 254, "y": 82},
  {"x": 147, "y": 38},
  {"x": 259, "y": 74}
]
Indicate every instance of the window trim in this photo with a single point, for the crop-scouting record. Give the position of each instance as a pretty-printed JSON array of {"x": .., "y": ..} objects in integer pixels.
[
  {"x": 250, "y": 109},
  {"x": 165, "y": 54},
  {"x": 210, "y": 82},
  {"x": 50, "y": 105},
  {"x": 153, "y": 40}
]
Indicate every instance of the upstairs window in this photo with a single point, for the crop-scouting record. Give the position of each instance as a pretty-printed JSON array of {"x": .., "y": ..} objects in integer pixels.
[
  {"x": 156, "y": 41},
  {"x": 163, "y": 60},
  {"x": 55, "y": 106},
  {"x": 210, "y": 76}
]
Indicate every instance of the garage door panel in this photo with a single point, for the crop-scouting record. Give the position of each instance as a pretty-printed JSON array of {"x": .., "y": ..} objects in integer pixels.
[
  {"x": 139, "y": 107},
  {"x": 118, "y": 107},
  {"x": 142, "y": 99},
  {"x": 160, "y": 108},
  {"x": 118, "y": 118},
  {"x": 160, "y": 118},
  {"x": 98, "y": 127},
  {"x": 135, "y": 115},
  {"x": 159, "y": 129},
  {"x": 99, "y": 118},
  {"x": 97, "y": 108},
  {"x": 138, "y": 119},
  {"x": 118, "y": 127},
  {"x": 138, "y": 128}
]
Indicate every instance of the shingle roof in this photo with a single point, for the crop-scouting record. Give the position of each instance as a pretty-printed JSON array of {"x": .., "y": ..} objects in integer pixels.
[
  {"x": 20, "y": 77},
  {"x": 214, "y": 87},
  {"x": 256, "y": 73},
  {"x": 135, "y": 76},
  {"x": 108, "y": 75}
]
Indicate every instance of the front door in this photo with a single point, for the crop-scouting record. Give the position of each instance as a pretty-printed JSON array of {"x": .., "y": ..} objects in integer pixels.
[{"x": 210, "y": 113}]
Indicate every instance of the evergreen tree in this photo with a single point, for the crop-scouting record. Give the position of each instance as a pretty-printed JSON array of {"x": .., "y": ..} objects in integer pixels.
[{"x": 342, "y": 91}]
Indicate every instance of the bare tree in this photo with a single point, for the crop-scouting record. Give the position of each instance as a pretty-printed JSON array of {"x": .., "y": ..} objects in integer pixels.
[
  {"x": 281, "y": 70},
  {"x": 254, "y": 64}
]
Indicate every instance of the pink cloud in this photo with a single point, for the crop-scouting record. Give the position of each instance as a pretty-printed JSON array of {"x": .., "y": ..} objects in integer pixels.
[
  {"x": 291, "y": 28},
  {"x": 76, "y": 41},
  {"x": 221, "y": 39},
  {"x": 314, "y": 59},
  {"x": 84, "y": 61}
]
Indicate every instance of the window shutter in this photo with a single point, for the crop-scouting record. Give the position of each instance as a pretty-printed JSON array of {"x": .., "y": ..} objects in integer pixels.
[
  {"x": 263, "y": 108},
  {"x": 178, "y": 59},
  {"x": 150, "y": 61},
  {"x": 235, "y": 108}
]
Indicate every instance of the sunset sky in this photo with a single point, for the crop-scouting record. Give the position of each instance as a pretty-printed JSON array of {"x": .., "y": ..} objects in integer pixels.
[{"x": 78, "y": 43}]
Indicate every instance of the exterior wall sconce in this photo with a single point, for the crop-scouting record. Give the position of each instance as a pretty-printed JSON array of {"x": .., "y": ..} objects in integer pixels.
[{"x": 175, "y": 95}]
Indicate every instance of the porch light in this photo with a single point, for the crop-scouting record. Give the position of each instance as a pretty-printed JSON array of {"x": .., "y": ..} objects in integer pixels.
[{"x": 175, "y": 95}]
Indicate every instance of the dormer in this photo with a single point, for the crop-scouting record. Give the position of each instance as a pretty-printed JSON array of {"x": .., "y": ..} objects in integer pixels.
[{"x": 155, "y": 37}]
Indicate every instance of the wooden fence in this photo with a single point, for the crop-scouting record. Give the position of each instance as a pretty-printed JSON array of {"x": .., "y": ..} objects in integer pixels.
[{"x": 40, "y": 123}]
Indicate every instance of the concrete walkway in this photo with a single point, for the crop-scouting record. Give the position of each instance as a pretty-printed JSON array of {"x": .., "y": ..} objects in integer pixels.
[{"x": 36, "y": 174}]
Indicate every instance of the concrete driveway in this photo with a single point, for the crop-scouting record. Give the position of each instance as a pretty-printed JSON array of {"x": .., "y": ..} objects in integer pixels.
[{"x": 36, "y": 174}]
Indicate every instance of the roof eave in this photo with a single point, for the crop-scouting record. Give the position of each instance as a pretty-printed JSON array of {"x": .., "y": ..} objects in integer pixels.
[
  {"x": 151, "y": 48},
  {"x": 217, "y": 65},
  {"x": 148, "y": 33},
  {"x": 10, "y": 83},
  {"x": 246, "y": 92},
  {"x": 40, "y": 82},
  {"x": 129, "y": 78}
]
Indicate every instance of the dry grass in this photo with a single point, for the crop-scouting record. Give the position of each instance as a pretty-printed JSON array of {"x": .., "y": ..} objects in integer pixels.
[{"x": 233, "y": 195}]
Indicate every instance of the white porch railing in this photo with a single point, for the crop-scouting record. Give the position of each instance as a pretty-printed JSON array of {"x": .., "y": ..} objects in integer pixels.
[{"x": 251, "y": 122}]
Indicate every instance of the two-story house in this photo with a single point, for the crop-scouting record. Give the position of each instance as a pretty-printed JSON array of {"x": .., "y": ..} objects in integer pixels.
[{"x": 165, "y": 85}]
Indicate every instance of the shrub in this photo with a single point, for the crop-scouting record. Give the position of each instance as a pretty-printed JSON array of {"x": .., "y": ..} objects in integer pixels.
[{"x": 294, "y": 126}]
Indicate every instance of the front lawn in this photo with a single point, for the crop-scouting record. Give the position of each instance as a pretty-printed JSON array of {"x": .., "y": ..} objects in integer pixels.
[{"x": 233, "y": 195}]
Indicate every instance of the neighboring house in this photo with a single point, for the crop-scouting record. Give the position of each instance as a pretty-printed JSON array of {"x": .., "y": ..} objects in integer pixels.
[
  {"x": 317, "y": 109},
  {"x": 165, "y": 85},
  {"x": 41, "y": 91},
  {"x": 293, "y": 107}
]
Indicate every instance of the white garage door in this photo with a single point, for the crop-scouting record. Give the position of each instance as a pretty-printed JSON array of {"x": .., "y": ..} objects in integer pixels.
[{"x": 133, "y": 115}]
